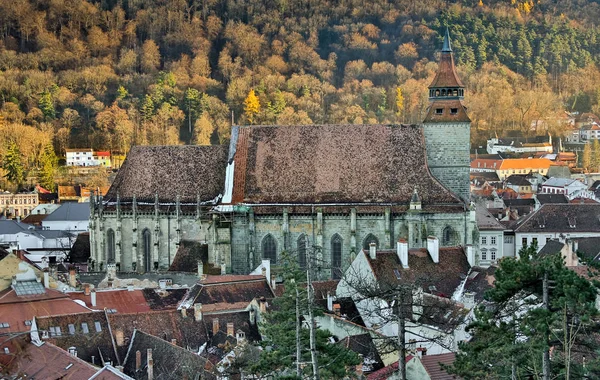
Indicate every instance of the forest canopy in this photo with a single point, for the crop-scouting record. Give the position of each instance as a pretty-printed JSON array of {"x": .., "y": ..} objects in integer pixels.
[{"x": 109, "y": 74}]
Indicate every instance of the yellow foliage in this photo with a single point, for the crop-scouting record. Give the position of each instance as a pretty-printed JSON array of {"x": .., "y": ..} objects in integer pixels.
[
  {"x": 251, "y": 106},
  {"x": 399, "y": 100},
  {"x": 480, "y": 3},
  {"x": 203, "y": 130}
]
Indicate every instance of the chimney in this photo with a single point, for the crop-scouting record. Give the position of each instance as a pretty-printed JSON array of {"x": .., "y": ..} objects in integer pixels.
[
  {"x": 46, "y": 279},
  {"x": 200, "y": 269},
  {"x": 184, "y": 312},
  {"x": 230, "y": 329},
  {"x": 138, "y": 360},
  {"x": 111, "y": 270},
  {"x": 273, "y": 282},
  {"x": 73, "y": 351},
  {"x": 174, "y": 342},
  {"x": 433, "y": 247},
  {"x": 337, "y": 309},
  {"x": 198, "y": 312},
  {"x": 93, "y": 297},
  {"x": 72, "y": 278},
  {"x": 94, "y": 360},
  {"x": 373, "y": 251},
  {"x": 215, "y": 326},
  {"x": 469, "y": 300},
  {"x": 150, "y": 365},
  {"x": 86, "y": 289},
  {"x": 329, "y": 302},
  {"x": 262, "y": 305},
  {"x": 470, "y": 251},
  {"x": 402, "y": 249},
  {"x": 266, "y": 269},
  {"x": 223, "y": 269}
]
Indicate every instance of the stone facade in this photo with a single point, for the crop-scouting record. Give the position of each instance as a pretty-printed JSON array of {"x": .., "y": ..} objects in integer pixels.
[{"x": 448, "y": 154}]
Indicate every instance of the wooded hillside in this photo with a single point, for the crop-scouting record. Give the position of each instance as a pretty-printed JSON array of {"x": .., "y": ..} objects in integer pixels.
[{"x": 109, "y": 74}]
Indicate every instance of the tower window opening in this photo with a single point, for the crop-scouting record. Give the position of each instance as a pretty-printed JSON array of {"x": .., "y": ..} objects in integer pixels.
[
  {"x": 443, "y": 92},
  {"x": 439, "y": 111},
  {"x": 453, "y": 111}
]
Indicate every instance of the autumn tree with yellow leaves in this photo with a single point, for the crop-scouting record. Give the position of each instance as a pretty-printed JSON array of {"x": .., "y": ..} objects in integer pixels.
[{"x": 251, "y": 106}]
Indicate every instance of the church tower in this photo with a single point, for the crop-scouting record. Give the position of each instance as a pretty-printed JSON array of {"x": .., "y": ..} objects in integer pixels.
[{"x": 447, "y": 127}]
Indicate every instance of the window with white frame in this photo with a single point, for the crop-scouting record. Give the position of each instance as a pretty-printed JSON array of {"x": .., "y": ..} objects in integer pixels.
[
  {"x": 484, "y": 240},
  {"x": 493, "y": 255},
  {"x": 484, "y": 254},
  {"x": 493, "y": 240}
]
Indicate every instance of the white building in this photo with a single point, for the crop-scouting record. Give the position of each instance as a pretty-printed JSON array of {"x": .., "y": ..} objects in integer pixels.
[
  {"x": 519, "y": 145},
  {"x": 570, "y": 187},
  {"x": 70, "y": 216},
  {"x": 491, "y": 237},
  {"x": 80, "y": 157},
  {"x": 558, "y": 222}
]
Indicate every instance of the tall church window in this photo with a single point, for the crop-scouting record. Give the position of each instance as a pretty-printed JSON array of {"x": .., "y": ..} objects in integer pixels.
[
  {"x": 110, "y": 245},
  {"x": 370, "y": 239},
  {"x": 269, "y": 248},
  {"x": 336, "y": 257},
  {"x": 147, "y": 249},
  {"x": 448, "y": 236},
  {"x": 302, "y": 251}
]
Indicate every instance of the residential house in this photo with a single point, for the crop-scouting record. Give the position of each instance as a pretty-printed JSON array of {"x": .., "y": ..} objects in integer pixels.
[
  {"x": 102, "y": 159},
  {"x": 518, "y": 183},
  {"x": 542, "y": 199},
  {"x": 17, "y": 205},
  {"x": 491, "y": 238},
  {"x": 520, "y": 144},
  {"x": 589, "y": 132},
  {"x": 78, "y": 193},
  {"x": 483, "y": 165},
  {"x": 70, "y": 216},
  {"x": 437, "y": 272},
  {"x": 571, "y": 188},
  {"x": 80, "y": 157},
  {"x": 558, "y": 222},
  {"x": 511, "y": 166}
]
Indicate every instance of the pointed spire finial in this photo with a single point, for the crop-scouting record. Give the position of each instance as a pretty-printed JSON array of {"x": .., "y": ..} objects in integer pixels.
[{"x": 447, "y": 47}]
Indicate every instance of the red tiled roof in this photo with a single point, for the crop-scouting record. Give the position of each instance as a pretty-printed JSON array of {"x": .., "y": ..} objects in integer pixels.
[
  {"x": 231, "y": 278},
  {"x": 123, "y": 301},
  {"x": 16, "y": 310},
  {"x": 431, "y": 363},
  {"x": 49, "y": 362},
  {"x": 102, "y": 154},
  {"x": 385, "y": 372}
]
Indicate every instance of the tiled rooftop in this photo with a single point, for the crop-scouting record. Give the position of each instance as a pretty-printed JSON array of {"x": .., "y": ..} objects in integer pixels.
[{"x": 334, "y": 164}]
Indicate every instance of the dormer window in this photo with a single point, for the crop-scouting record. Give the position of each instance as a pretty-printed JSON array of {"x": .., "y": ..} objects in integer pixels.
[
  {"x": 439, "y": 111},
  {"x": 453, "y": 111}
]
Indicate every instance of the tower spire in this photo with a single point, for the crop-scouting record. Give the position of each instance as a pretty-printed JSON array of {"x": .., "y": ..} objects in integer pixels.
[{"x": 447, "y": 47}]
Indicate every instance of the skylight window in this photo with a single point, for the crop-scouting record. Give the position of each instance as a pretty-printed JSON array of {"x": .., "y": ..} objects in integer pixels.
[
  {"x": 98, "y": 327},
  {"x": 397, "y": 273},
  {"x": 85, "y": 328},
  {"x": 71, "y": 329}
]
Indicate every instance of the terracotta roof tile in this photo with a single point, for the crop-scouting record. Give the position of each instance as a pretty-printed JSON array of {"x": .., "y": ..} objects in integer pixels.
[
  {"x": 123, "y": 301},
  {"x": 49, "y": 362},
  {"x": 525, "y": 163},
  {"x": 433, "y": 367},
  {"x": 335, "y": 164}
]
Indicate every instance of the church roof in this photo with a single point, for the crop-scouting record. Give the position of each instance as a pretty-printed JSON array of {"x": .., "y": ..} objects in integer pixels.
[
  {"x": 169, "y": 171},
  {"x": 321, "y": 164}
]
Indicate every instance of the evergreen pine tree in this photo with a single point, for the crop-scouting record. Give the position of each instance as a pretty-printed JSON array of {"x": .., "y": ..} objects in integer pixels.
[
  {"x": 13, "y": 165},
  {"x": 48, "y": 163}
]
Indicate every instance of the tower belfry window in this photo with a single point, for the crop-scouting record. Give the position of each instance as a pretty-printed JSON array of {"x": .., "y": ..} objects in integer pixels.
[
  {"x": 439, "y": 111},
  {"x": 453, "y": 111}
]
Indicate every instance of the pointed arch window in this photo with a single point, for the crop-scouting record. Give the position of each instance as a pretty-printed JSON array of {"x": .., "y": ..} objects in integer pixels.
[
  {"x": 370, "y": 238},
  {"x": 269, "y": 248},
  {"x": 147, "y": 249},
  {"x": 336, "y": 257},
  {"x": 302, "y": 251},
  {"x": 110, "y": 245},
  {"x": 448, "y": 236}
]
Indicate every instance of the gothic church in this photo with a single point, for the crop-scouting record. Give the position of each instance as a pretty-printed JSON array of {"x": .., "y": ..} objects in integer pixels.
[{"x": 277, "y": 189}]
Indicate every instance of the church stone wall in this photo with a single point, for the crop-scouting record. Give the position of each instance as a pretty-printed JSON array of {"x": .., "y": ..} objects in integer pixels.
[
  {"x": 448, "y": 155},
  {"x": 167, "y": 230},
  {"x": 248, "y": 234}
]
